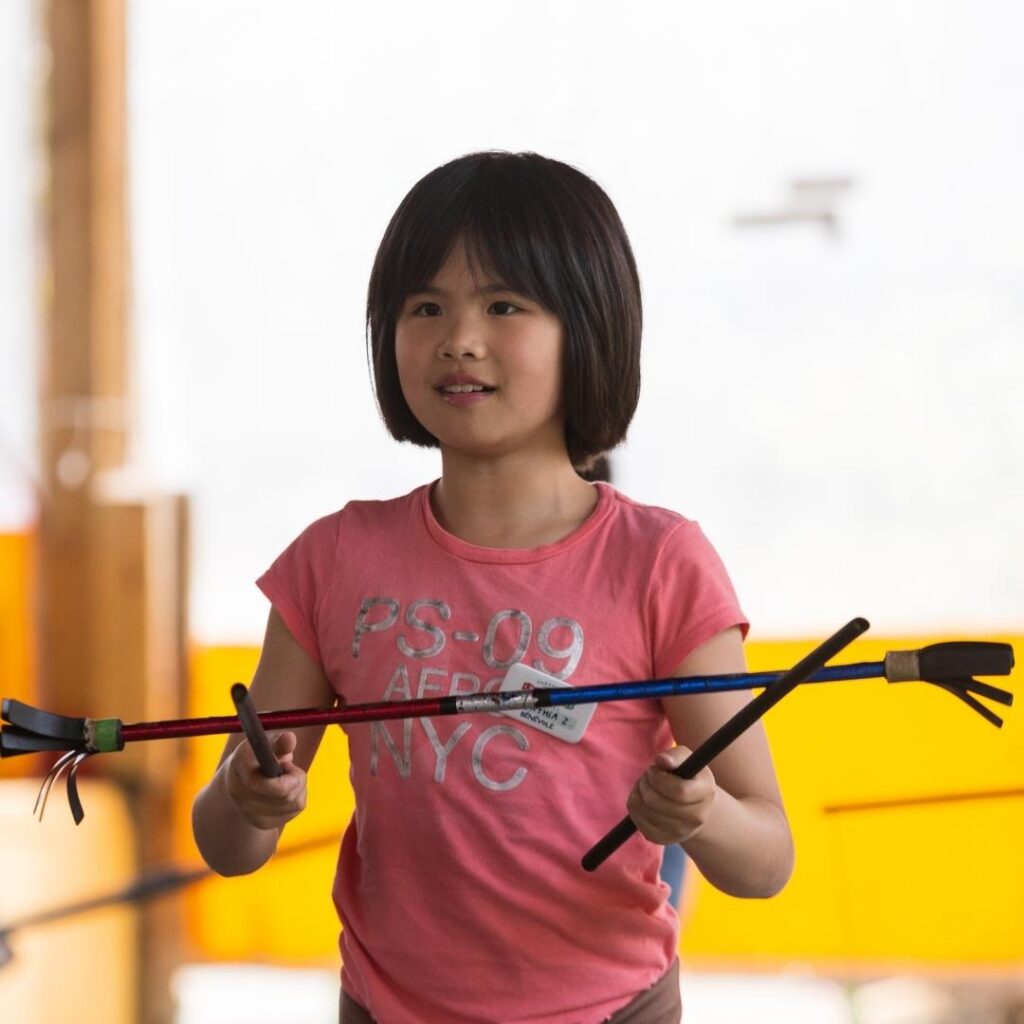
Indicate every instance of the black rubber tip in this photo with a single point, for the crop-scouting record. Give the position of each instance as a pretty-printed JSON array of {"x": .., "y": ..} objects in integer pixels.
[
  {"x": 255, "y": 733},
  {"x": 961, "y": 658}
]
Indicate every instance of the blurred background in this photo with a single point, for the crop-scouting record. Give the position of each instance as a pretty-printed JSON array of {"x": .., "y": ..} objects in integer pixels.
[{"x": 825, "y": 203}]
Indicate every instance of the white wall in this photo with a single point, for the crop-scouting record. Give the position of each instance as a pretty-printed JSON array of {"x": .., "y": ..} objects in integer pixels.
[{"x": 842, "y": 414}]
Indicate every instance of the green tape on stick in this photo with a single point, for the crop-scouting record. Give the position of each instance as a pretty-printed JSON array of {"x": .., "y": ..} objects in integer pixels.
[{"x": 106, "y": 734}]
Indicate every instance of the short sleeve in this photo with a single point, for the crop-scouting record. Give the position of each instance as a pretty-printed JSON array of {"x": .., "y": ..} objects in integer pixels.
[
  {"x": 298, "y": 579},
  {"x": 690, "y": 597}
]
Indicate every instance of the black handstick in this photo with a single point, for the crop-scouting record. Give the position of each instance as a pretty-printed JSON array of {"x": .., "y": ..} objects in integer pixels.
[
  {"x": 254, "y": 732},
  {"x": 739, "y": 723}
]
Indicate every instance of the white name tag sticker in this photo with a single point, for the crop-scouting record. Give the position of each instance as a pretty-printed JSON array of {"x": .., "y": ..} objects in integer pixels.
[{"x": 566, "y": 722}]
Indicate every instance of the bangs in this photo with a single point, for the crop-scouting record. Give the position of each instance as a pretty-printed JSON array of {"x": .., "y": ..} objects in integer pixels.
[{"x": 500, "y": 222}]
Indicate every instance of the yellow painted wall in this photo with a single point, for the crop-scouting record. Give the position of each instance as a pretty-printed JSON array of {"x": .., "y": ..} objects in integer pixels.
[
  {"x": 936, "y": 885},
  {"x": 17, "y": 669}
]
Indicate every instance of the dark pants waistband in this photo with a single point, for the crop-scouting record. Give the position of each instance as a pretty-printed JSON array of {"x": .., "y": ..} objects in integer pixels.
[{"x": 660, "y": 1004}]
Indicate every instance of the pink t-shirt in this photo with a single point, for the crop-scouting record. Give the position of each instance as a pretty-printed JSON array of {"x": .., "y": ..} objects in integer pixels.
[{"x": 459, "y": 886}]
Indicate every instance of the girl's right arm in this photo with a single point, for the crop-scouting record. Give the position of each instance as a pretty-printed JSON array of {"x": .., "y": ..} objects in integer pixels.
[{"x": 238, "y": 817}]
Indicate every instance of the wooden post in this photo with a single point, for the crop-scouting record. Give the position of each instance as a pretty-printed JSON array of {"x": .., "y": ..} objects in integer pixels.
[
  {"x": 84, "y": 415},
  {"x": 112, "y": 563}
]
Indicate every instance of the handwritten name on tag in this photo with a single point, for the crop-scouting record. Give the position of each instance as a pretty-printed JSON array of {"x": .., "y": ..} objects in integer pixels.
[{"x": 566, "y": 722}]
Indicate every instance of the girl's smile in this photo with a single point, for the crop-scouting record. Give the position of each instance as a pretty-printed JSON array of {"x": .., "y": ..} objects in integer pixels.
[{"x": 462, "y": 389}]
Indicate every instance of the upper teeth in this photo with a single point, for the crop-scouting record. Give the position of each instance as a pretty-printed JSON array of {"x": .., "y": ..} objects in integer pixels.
[{"x": 455, "y": 389}]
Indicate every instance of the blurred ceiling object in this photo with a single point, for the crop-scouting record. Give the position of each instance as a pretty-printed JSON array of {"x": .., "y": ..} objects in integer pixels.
[{"x": 811, "y": 200}]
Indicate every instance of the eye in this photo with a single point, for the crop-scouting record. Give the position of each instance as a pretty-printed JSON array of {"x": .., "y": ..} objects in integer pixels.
[
  {"x": 504, "y": 308},
  {"x": 426, "y": 309}
]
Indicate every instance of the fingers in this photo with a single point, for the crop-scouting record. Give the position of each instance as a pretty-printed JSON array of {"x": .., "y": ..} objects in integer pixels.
[
  {"x": 666, "y": 808},
  {"x": 283, "y": 745},
  {"x": 670, "y": 760}
]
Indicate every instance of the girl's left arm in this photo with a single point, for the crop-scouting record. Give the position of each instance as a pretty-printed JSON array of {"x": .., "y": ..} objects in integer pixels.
[{"x": 729, "y": 818}]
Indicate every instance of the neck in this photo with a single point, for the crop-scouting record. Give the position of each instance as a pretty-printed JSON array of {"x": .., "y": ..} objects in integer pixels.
[{"x": 512, "y": 501}]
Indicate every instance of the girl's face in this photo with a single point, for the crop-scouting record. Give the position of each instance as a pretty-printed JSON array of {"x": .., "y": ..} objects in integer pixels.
[{"x": 480, "y": 365}]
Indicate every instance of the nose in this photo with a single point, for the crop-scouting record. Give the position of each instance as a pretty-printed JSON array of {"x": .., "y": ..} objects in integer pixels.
[{"x": 463, "y": 340}]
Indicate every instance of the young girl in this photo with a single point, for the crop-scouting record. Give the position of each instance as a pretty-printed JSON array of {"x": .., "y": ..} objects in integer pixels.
[{"x": 504, "y": 318}]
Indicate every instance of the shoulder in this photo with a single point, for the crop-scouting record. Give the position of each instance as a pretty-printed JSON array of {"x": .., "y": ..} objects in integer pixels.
[
  {"x": 372, "y": 512},
  {"x": 650, "y": 528},
  {"x": 357, "y": 526},
  {"x": 689, "y": 597},
  {"x": 362, "y": 517}
]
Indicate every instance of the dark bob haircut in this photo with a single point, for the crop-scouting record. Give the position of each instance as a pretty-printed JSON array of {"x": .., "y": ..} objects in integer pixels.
[{"x": 545, "y": 230}]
